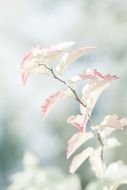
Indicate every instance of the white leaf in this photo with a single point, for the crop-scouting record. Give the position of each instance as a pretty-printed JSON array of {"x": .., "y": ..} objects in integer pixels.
[
  {"x": 76, "y": 141},
  {"x": 80, "y": 158},
  {"x": 63, "y": 46},
  {"x": 97, "y": 185},
  {"x": 107, "y": 131},
  {"x": 91, "y": 93},
  {"x": 112, "y": 142},
  {"x": 117, "y": 184},
  {"x": 96, "y": 163},
  {"x": 70, "y": 57},
  {"x": 116, "y": 171}
]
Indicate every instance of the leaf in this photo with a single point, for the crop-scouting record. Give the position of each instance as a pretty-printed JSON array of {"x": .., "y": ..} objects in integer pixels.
[
  {"x": 117, "y": 184},
  {"x": 91, "y": 93},
  {"x": 92, "y": 74},
  {"x": 98, "y": 184},
  {"x": 76, "y": 141},
  {"x": 78, "y": 121},
  {"x": 26, "y": 57},
  {"x": 52, "y": 100},
  {"x": 111, "y": 142},
  {"x": 96, "y": 163},
  {"x": 80, "y": 158},
  {"x": 70, "y": 57},
  {"x": 105, "y": 132},
  {"x": 123, "y": 121},
  {"x": 63, "y": 46},
  {"x": 104, "y": 185},
  {"x": 24, "y": 77},
  {"x": 37, "y": 59},
  {"x": 114, "y": 121},
  {"x": 114, "y": 169},
  {"x": 33, "y": 62}
]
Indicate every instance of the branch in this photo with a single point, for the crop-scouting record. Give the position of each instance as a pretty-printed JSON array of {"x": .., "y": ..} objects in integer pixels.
[{"x": 97, "y": 133}]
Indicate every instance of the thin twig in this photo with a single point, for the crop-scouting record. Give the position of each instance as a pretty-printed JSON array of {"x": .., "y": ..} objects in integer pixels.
[{"x": 97, "y": 134}]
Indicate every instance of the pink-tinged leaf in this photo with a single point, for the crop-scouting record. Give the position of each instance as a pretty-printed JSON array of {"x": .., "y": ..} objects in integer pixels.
[
  {"x": 80, "y": 158},
  {"x": 27, "y": 57},
  {"x": 78, "y": 121},
  {"x": 114, "y": 121},
  {"x": 92, "y": 74},
  {"x": 24, "y": 77},
  {"x": 37, "y": 59},
  {"x": 76, "y": 141},
  {"x": 52, "y": 100},
  {"x": 123, "y": 121},
  {"x": 70, "y": 57},
  {"x": 92, "y": 91}
]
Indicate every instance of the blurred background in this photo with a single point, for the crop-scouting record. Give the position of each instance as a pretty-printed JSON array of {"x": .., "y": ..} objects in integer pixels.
[{"x": 27, "y": 23}]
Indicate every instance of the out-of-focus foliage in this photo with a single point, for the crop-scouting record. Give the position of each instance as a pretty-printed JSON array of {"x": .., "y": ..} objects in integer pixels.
[
  {"x": 34, "y": 178},
  {"x": 27, "y": 23}
]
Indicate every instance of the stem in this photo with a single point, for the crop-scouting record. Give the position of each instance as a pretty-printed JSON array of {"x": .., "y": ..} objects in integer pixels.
[
  {"x": 72, "y": 90},
  {"x": 102, "y": 146},
  {"x": 65, "y": 83},
  {"x": 97, "y": 133}
]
